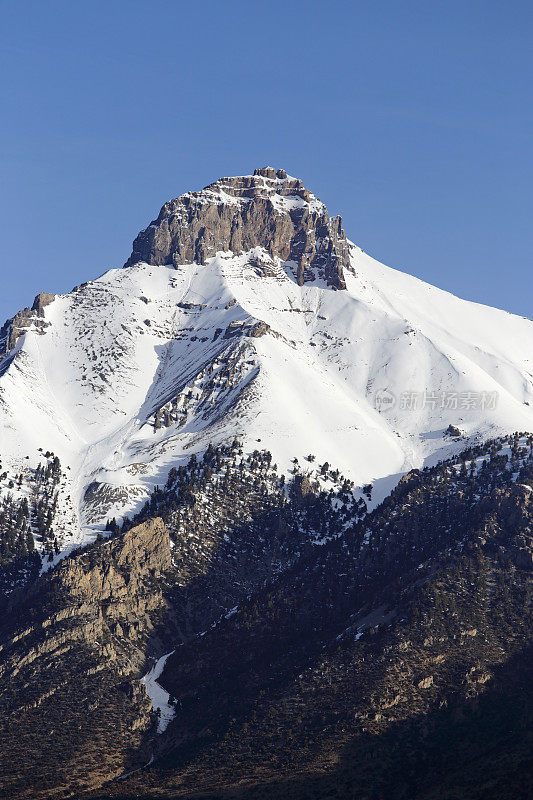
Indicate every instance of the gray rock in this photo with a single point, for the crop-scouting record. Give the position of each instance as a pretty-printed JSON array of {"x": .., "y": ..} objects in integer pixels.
[
  {"x": 267, "y": 209},
  {"x": 42, "y": 300},
  {"x": 22, "y": 321}
]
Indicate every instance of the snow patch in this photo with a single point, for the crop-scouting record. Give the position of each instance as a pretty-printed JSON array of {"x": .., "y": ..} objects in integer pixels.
[{"x": 159, "y": 698}]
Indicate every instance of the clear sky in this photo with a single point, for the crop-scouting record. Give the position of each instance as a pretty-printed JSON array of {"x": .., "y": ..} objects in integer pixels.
[{"x": 411, "y": 119}]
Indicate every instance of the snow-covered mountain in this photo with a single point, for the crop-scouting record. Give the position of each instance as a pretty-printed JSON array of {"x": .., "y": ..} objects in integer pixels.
[{"x": 244, "y": 311}]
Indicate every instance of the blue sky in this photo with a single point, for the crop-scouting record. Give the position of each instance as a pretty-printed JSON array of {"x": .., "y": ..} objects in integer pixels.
[{"x": 412, "y": 120}]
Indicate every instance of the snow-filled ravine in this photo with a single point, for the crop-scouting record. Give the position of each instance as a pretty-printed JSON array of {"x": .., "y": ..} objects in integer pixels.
[{"x": 159, "y": 698}]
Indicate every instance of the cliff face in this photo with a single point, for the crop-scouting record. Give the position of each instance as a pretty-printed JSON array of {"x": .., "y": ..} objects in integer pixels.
[
  {"x": 20, "y": 323},
  {"x": 267, "y": 209},
  {"x": 72, "y": 652},
  {"x": 118, "y": 573}
]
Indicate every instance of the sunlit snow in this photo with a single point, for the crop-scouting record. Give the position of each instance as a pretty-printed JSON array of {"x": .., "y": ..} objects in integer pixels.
[{"x": 122, "y": 346}]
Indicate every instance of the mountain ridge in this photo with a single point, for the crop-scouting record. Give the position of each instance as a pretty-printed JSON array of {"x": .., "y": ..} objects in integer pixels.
[
  {"x": 281, "y": 665},
  {"x": 266, "y": 522},
  {"x": 127, "y": 374}
]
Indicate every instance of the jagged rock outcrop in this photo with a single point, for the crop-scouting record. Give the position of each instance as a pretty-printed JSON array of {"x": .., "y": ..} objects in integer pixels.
[
  {"x": 116, "y": 573},
  {"x": 268, "y": 209},
  {"x": 16, "y": 326},
  {"x": 72, "y": 651}
]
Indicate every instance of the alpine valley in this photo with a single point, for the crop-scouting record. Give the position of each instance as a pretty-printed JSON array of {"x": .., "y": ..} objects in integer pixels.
[{"x": 266, "y": 522}]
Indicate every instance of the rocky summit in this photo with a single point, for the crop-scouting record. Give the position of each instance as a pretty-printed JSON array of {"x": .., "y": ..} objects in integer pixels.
[
  {"x": 268, "y": 209},
  {"x": 266, "y": 522}
]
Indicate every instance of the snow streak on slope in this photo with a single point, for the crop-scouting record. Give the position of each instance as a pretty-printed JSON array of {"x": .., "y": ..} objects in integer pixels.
[
  {"x": 159, "y": 698},
  {"x": 147, "y": 364}
]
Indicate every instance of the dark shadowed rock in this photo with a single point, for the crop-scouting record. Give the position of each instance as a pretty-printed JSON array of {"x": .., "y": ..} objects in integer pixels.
[{"x": 72, "y": 651}]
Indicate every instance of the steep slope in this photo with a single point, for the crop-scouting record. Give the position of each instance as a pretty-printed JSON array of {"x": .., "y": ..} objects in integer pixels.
[
  {"x": 255, "y": 317},
  {"x": 392, "y": 662},
  {"x": 73, "y": 709}
]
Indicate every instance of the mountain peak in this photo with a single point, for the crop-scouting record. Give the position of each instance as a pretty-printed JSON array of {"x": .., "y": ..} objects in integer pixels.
[
  {"x": 270, "y": 172},
  {"x": 269, "y": 209}
]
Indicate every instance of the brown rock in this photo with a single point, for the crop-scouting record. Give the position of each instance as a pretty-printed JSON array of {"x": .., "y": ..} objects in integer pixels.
[
  {"x": 238, "y": 214},
  {"x": 76, "y": 668}
]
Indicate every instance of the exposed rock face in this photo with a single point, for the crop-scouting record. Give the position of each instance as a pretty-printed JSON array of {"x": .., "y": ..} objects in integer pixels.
[
  {"x": 267, "y": 209},
  {"x": 21, "y": 322},
  {"x": 72, "y": 651},
  {"x": 117, "y": 572}
]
